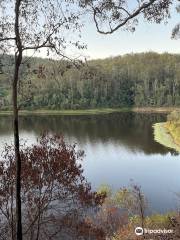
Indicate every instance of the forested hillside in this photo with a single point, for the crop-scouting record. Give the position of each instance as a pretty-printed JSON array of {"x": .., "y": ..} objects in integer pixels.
[{"x": 146, "y": 79}]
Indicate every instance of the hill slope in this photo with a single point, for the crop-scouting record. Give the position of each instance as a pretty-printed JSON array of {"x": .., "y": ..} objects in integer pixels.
[{"x": 133, "y": 80}]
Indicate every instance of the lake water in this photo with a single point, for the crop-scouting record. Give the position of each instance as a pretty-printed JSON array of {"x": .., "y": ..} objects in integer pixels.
[{"x": 119, "y": 147}]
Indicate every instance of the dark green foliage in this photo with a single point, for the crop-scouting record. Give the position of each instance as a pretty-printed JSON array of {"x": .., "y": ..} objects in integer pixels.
[{"x": 146, "y": 79}]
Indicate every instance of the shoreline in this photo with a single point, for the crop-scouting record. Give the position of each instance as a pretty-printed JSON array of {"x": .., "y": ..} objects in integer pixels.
[
  {"x": 67, "y": 112},
  {"x": 155, "y": 109},
  {"x": 92, "y": 111},
  {"x": 162, "y": 136}
]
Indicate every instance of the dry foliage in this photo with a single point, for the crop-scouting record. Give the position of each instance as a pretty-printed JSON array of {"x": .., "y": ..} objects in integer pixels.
[{"x": 56, "y": 198}]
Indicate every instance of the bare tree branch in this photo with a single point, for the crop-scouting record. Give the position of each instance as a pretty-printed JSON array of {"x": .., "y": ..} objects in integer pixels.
[
  {"x": 46, "y": 43},
  {"x": 7, "y": 39},
  {"x": 125, "y": 21}
]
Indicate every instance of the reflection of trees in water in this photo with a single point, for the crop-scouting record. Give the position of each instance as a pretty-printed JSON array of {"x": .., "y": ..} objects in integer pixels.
[
  {"x": 5, "y": 125},
  {"x": 134, "y": 130}
]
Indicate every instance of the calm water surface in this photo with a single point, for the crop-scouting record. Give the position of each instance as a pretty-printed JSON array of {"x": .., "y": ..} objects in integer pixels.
[{"x": 119, "y": 147}]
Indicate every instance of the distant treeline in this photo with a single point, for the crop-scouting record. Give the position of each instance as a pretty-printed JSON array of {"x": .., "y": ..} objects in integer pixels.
[{"x": 140, "y": 80}]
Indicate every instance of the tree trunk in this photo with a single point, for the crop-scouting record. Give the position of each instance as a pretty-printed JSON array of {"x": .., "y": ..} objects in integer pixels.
[
  {"x": 17, "y": 152},
  {"x": 18, "y": 60}
]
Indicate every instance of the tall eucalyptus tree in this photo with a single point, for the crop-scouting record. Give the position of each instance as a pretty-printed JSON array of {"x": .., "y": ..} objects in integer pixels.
[{"x": 27, "y": 25}]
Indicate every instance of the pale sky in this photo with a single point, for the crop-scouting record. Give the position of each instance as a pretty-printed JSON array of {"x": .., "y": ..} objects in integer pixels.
[{"x": 147, "y": 37}]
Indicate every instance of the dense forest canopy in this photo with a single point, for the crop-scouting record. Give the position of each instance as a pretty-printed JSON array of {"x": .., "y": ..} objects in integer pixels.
[{"x": 145, "y": 79}]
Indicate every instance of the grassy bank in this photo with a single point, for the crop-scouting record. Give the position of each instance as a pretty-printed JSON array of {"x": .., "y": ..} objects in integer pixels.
[
  {"x": 164, "y": 137},
  {"x": 90, "y": 111},
  {"x": 155, "y": 109},
  {"x": 173, "y": 126},
  {"x": 68, "y": 112}
]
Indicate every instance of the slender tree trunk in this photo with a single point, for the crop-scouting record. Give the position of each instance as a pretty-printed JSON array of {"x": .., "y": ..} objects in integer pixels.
[
  {"x": 12, "y": 214},
  {"x": 18, "y": 60},
  {"x": 17, "y": 152}
]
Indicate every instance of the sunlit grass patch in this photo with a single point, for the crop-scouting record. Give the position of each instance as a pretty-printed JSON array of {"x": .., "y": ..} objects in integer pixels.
[{"x": 162, "y": 136}]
